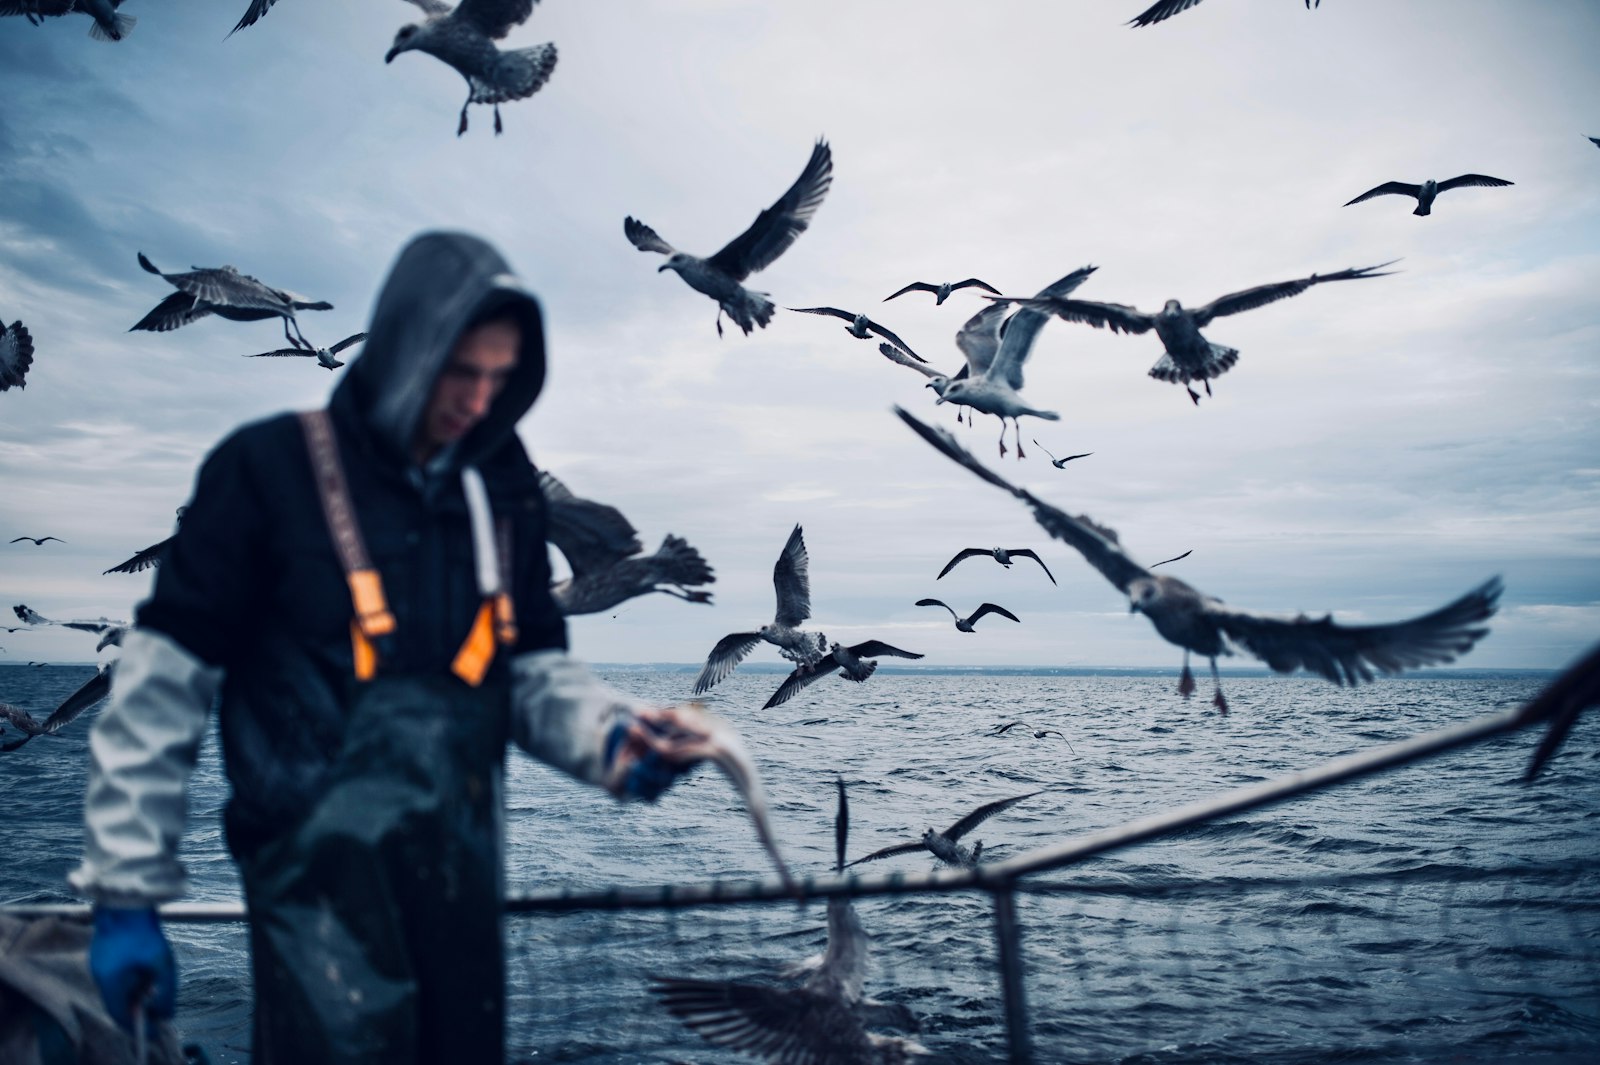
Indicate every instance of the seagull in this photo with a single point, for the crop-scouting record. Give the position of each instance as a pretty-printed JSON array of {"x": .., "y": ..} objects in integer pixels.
[
  {"x": 1424, "y": 193},
  {"x": 944, "y": 844},
  {"x": 861, "y": 327},
  {"x": 942, "y": 292},
  {"x": 16, "y": 355},
  {"x": 603, "y": 550},
  {"x": 38, "y": 541},
  {"x": 150, "y": 556},
  {"x": 824, "y": 1020},
  {"x": 227, "y": 293},
  {"x": 1189, "y": 356},
  {"x": 849, "y": 660},
  {"x": 965, "y": 624},
  {"x": 1038, "y": 733},
  {"x": 110, "y": 631},
  {"x": 324, "y": 356},
  {"x": 792, "y": 581},
  {"x": 1061, "y": 463},
  {"x": 1165, "y": 9},
  {"x": 92, "y": 691},
  {"x": 768, "y": 237},
  {"x": 108, "y": 25},
  {"x": 936, "y": 380},
  {"x": 1000, "y": 555},
  {"x": 463, "y": 37},
  {"x": 996, "y": 347},
  {"x": 1203, "y": 625}
]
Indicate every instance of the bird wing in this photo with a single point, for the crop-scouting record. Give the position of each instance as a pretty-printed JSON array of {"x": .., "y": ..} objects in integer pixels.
[
  {"x": 979, "y": 337},
  {"x": 991, "y": 608},
  {"x": 644, "y": 238},
  {"x": 282, "y": 353},
  {"x": 1348, "y": 654},
  {"x": 229, "y": 288},
  {"x": 774, "y": 229},
  {"x": 915, "y": 286},
  {"x": 93, "y": 690},
  {"x": 16, "y": 354},
  {"x": 178, "y": 309},
  {"x": 982, "y": 814},
  {"x": 965, "y": 553},
  {"x": 1161, "y": 11},
  {"x": 874, "y": 648},
  {"x": 889, "y": 852},
  {"x": 795, "y": 1027},
  {"x": 348, "y": 341},
  {"x": 800, "y": 679},
  {"x": 495, "y": 17},
  {"x": 1399, "y": 188},
  {"x": 894, "y": 354},
  {"x": 1028, "y": 552},
  {"x": 592, "y": 536},
  {"x": 893, "y": 339},
  {"x": 1117, "y": 317},
  {"x": 939, "y": 602},
  {"x": 150, "y": 556},
  {"x": 973, "y": 282},
  {"x": 1022, "y": 328},
  {"x": 791, "y": 577},
  {"x": 254, "y": 12},
  {"x": 1466, "y": 180},
  {"x": 1261, "y": 295},
  {"x": 836, "y": 312},
  {"x": 729, "y": 652},
  {"x": 1096, "y": 543}
]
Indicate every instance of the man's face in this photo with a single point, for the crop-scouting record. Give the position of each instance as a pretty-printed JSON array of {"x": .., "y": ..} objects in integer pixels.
[{"x": 479, "y": 368}]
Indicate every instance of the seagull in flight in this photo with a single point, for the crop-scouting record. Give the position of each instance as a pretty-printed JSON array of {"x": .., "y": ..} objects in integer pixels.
[
  {"x": 108, "y": 25},
  {"x": 1425, "y": 193},
  {"x": 1038, "y": 733},
  {"x": 1165, "y": 9},
  {"x": 1189, "y": 356},
  {"x": 603, "y": 549},
  {"x": 1204, "y": 625},
  {"x": 941, "y": 292},
  {"x": 324, "y": 356},
  {"x": 791, "y": 578},
  {"x": 227, "y": 293},
  {"x": 768, "y": 237},
  {"x": 150, "y": 556},
  {"x": 996, "y": 347},
  {"x": 16, "y": 355},
  {"x": 936, "y": 380},
  {"x": 824, "y": 1021},
  {"x": 110, "y": 632},
  {"x": 90, "y": 693},
  {"x": 965, "y": 624},
  {"x": 850, "y": 661},
  {"x": 463, "y": 37},
  {"x": 861, "y": 327},
  {"x": 944, "y": 845},
  {"x": 38, "y": 541},
  {"x": 1061, "y": 463},
  {"x": 999, "y": 554}
]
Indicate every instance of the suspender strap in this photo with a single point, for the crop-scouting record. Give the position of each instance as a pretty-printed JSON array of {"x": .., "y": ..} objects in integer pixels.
[{"x": 495, "y": 623}]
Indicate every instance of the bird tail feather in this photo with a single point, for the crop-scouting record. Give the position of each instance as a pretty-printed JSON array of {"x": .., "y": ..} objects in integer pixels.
[
  {"x": 1218, "y": 361},
  {"x": 121, "y": 26},
  {"x": 681, "y": 564},
  {"x": 517, "y": 75}
]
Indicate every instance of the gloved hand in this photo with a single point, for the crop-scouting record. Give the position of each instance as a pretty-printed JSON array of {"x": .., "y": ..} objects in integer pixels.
[
  {"x": 636, "y": 766},
  {"x": 129, "y": 959}
]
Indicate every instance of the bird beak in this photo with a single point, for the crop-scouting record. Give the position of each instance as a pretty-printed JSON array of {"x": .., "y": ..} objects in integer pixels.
[
  {"x": 937, "y": 401},
  {"x": 662, "y": 267},
  {"x": 392, "y": 53},
  {"x": 1133, "y": 607}
]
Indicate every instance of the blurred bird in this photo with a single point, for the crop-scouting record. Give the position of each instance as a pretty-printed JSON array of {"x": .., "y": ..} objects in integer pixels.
[
  {"x": 324, "y": 356},
  {"x": 150, "y": 556},
  {"x": 768, "y": 237},
  {"x": 88, "y": 694},
  {"x": 1000, "y": 555},
  {"x": 1165, "y": 9},
  {"x": 252, "y": 13},
  {"x": 108, "y": 25},
  {"x": 941, "y": 292},
  {"x": 965, "y": 624},
  {"x": 603, "y": 550},
  {"x": 227, "y": 293},
  {"x": 1061, "y": 463},
  {"x": 791, "y": 579},
  {"x": 848, "y": 660},
  {"x": 38, "y": 541},
  {"x": 110, "y": 632},
  {"x": 463, "y": 37},
  {"x": 1425, "y": 193},
  {"x": 1189, "y": 356},
  {"x": 936, "y": 380},
  {"x": 943, "y": 845},
  {"x": 1344, "y": 654},
  {"x": 16, "y": 355},
  {"x": 1038, "y": 733},
  {"x": 861, "y": 327}
]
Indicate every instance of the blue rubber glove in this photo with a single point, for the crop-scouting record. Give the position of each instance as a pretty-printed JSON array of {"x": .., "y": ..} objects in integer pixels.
[
  {"x": 646, "y": 774},
  {"x": 129, "y": 959}
]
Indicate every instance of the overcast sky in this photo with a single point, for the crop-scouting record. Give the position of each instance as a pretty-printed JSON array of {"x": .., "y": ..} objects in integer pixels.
[{"x": 1381, "y": 446}]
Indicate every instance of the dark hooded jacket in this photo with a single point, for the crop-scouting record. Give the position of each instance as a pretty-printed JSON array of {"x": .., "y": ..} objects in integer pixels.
[{"x": 252, "y": 582}]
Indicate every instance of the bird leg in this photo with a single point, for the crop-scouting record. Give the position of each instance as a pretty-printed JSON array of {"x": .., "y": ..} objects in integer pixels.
[
  {"x": 719, "y": 320},
  {"x": 1018, "y": 426},
  {"x": 462, "y": 127},
  {"x": 497, "y": 126},
  {"x": 1192, "y": 395},
  {"x": 1207, "y": 382},
  {"x": 1217, "y": 700},
  {"x": 1002, "y": 438},
  {"x": 1186, "y": 680},
  {"x": 301, "y": 343}
]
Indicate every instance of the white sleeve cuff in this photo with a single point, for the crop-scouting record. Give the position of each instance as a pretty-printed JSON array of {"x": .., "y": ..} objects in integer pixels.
[{"x": 562, "y": 714}]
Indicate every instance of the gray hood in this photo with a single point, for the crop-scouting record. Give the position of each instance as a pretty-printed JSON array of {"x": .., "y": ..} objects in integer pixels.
[{"x": 439, "y": 284}]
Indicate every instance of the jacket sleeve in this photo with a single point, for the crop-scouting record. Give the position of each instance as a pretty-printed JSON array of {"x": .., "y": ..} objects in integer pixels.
[
  {"x": 142, "y": 749},
  {"x": 564, "y": 715}
]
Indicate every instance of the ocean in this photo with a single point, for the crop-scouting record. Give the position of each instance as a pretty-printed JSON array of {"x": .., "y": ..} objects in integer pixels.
[{"x": 1441, "y": 912}]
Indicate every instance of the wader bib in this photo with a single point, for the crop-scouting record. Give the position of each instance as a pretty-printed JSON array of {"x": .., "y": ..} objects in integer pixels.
[{"x": 375, "y": 923}]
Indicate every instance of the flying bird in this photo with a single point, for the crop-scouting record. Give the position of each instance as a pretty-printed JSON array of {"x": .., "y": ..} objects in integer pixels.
[
  {"x": 91, "y": 692},
  {"x": 1203, "y": 625},
  {"x": 463, "y": 37},
  {"x": 791, "y": 579},
  {"x": 1061, "y": 463},
  {"x": 768, "y": 237},
  {"x": 965, "y": 624},
  {"x": 324, "y": 356},
  {"x": 603, "y": 549},
  {"x": 38, "y": 541},
  {"x": 1000, "y": 555},
  {"x": 110, "y": 632},
  {"x": 996, "y": 347},
  {"x": 1189, "y": 356},
  {"x": 823, "y": 1021},
  {"x": 941, "y": 292},
  {"x": 944, "y": 845},
  {"x": 852, "y": 663},
  {"x": 227, "y": 293},
  {"x": 16, "y": 355},
  {"x": 936, "y": 380},
  {"x": 1038, "y": 733},
  {"x": 1425, "y": 193},
  {"x": 108, "y": 25},
  {"x": 1165, "y": 9},
  {"x": 861, "y": 327},
  {"x": 150, "y": 556}
]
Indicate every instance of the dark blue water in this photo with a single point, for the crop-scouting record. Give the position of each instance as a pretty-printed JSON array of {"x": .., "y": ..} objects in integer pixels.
[{"x": 1444, "y": 912}]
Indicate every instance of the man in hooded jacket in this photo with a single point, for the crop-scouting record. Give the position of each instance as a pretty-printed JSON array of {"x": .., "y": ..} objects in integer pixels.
[{"x": 365, "y": 807}]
